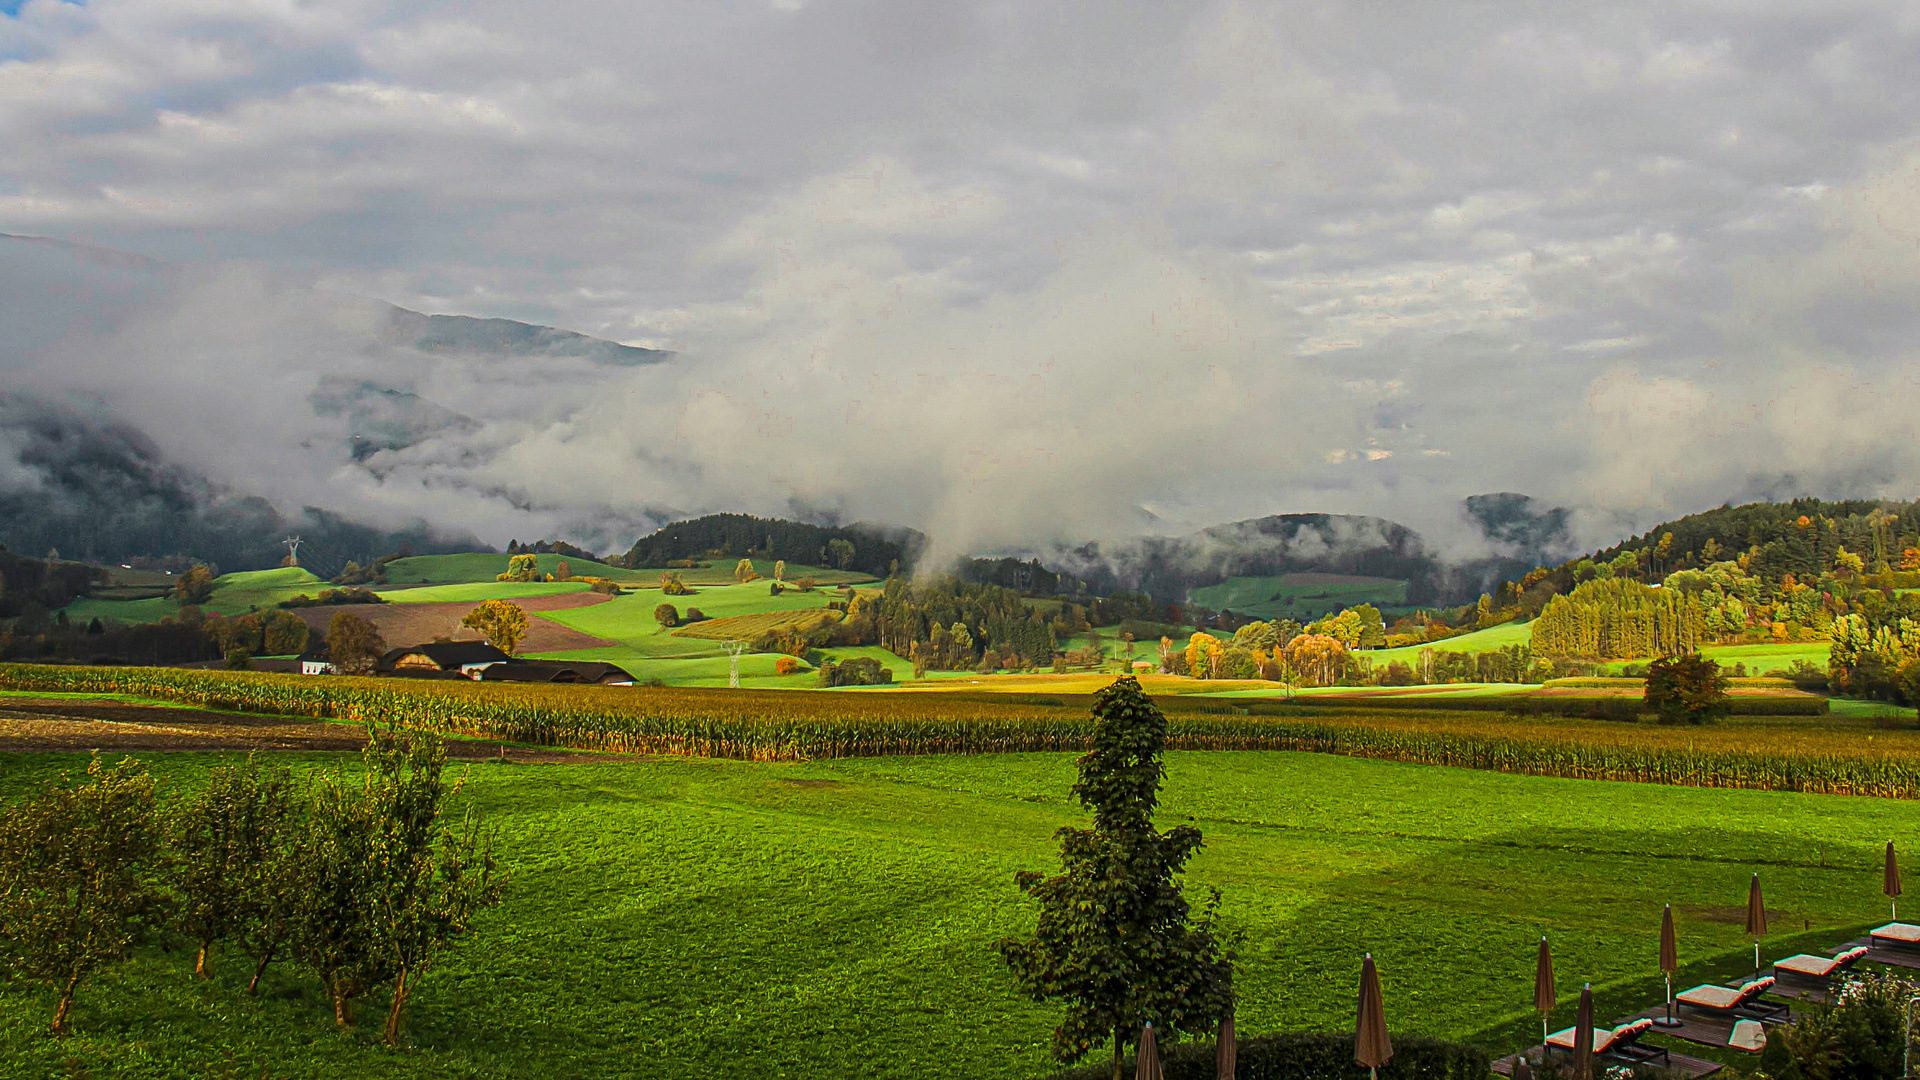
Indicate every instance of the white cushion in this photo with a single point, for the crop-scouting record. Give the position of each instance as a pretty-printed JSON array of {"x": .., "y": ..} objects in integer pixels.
[
  {"x": 1748, "y": 1035},
  {"x": 1817, "y": 966},
  {"x": 1712, "y": 997},
  {"x": 1602, "y": 1038},
  {"x": 1898, "y": 931}
]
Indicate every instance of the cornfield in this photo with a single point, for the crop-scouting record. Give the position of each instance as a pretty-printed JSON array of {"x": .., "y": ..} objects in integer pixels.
[{"x": 778, "y": 725}]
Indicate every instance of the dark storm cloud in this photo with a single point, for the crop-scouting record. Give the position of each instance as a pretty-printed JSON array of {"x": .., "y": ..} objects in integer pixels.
[{"x": 1010, "y": 273}]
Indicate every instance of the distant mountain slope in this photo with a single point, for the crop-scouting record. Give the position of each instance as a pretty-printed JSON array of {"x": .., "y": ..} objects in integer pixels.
[
  {"x": 129, "y": 388},
  {"x": 504, "y": 338}
]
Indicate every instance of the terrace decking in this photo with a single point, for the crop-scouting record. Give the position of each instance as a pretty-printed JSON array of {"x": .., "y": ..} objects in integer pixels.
[
  {"x": 1881, "y": 954},
  {"x": 1692, "y": 1067},
  {"x": 1714, "y": 1031}
]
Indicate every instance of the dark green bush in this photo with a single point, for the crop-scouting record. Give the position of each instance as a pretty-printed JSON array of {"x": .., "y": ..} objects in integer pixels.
[{"x": 1310, "y": 1056}]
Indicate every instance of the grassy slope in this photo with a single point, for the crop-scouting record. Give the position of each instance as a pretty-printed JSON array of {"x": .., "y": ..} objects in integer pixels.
[
  {"x": 1497, "y": 637},
  {"x": 475, "y": 591},
  {"x": 1278, "y": 598},
  {"x": 482, "y": 566},
  {"x": 650, "y": 652},
  {"x": 828, "y": 919},
  {"x": 233, "y": 594}
]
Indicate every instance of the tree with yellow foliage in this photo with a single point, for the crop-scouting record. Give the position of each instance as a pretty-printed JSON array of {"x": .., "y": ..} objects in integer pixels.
[{"x": 504, "y": 623}]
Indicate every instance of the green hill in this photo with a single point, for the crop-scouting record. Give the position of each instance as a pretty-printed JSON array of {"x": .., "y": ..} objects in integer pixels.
[{"x": 233, "y": 594}]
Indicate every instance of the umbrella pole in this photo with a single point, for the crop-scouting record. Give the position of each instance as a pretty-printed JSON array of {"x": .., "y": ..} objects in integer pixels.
[
  {"x": 1756, "y": 958},
  {"x": 1669, "y": 1001}
]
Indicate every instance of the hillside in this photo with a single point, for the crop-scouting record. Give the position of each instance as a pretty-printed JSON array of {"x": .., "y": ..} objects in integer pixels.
[{"x": 873, "y": 549}]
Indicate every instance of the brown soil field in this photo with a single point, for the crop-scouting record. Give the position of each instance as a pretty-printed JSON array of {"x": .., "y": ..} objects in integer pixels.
[
  {"x": 34, "y": 725},
  {"x": 412, "y": 624}
]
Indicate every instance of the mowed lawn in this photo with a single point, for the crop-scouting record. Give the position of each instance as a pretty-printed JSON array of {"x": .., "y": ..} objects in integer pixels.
[{"x": 693, "y": 918}]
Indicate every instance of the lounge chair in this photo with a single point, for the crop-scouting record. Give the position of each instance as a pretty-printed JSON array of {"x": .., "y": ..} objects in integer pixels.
[
  {"x": 1896, "y": 935},
  {"x": 1622, "y": 1043},
  {"x": 1817, "y": 971},
  {"x": 1743, "y": 1002}
]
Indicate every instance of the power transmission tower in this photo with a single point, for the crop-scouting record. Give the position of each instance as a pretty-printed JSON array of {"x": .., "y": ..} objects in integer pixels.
[
  {"x": 733, "y": 664},
  {"x": 293, "y": 550}
]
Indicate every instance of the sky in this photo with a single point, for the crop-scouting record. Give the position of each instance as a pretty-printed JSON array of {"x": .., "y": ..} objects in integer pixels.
[{"x": 1009, "y": 273}]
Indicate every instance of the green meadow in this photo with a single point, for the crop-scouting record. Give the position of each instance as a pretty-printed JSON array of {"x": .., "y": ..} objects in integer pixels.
[
  {"x": 696, "y": 918},
  {"x": 233, "y": 594}
]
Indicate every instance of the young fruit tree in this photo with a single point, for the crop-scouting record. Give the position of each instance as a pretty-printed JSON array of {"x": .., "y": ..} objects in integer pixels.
[
  {"x": 431, "y": 879},
  {"x": 384, "y": 886},
  {"x": 1116, "y": 939},
  {"x": 223, "y": 842},
  {"x": 79, "y": 878}
]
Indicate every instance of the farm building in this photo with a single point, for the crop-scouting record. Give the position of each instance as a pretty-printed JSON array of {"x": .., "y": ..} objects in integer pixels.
[
  {"x": 462, "y": 658},
  {"x": 316, "y": 663},
  {"x": 558, "y": 671}
]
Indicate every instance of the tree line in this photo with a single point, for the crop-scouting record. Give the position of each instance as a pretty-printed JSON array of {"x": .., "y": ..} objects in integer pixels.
[
  {"x": 362, "y": 882},
  {"x": 746, "y": 536}
]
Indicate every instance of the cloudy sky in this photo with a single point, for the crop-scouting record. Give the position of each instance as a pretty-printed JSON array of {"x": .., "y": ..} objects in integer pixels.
[{"x": 1018, "y": 271}]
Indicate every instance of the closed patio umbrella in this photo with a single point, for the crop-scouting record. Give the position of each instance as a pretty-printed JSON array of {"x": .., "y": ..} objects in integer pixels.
[
  {"x": 1522, "y": 1070},
  {"x": 1669, "y": 962},
  {"x": 1756, "y": 920},
  {"x": 1583, "y": 1036},
  {"x": 1543, "y": 994},
  {"x": 1226, "y": 1051},
  {"x": 1146, "y": 1065},
  {"x": 1371, "y": 1047},
  {"x": 1890, "y": 882}
]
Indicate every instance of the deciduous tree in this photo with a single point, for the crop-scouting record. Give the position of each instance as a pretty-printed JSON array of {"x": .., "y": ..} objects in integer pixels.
[
  {"x": 1687, "y": 688},
  {"x": 502, "y": 622},
  {"x": 1116, "y": 940},
  {"x": 353, "y": 645},
  {"x": 79, "y": 878},
  {"x": 195, "y": 586},
  {"x": 222, "y": 844}
]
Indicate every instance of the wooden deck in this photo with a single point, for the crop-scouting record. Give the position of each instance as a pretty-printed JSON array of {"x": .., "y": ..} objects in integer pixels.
[
  {"x": 1714, "y": 1031},
  {"x": 1881, "y": 954},
  {"x": 1692, "y": 1067}
]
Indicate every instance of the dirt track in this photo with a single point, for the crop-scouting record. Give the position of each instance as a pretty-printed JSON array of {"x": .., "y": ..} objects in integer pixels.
[
  {"x": 31, "y": 725},
  {"x": 412, "y": 624}
]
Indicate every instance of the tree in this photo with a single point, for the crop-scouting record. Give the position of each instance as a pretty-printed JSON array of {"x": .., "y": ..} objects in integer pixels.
[
  {"x": 521, "y": 568},
  {"x": 671, "y": 585},
  {"x": 222, "y": 843},
  {"x": 744, "y": 572},
  {"x": 840, "y": 553},
  {"x": 779, "y": 569},
  {"x": 502, "y": 622},
  {"x": 667, "y": 616},
  {"x": 284, "y": 634},
  {"x": 429, "y": 880},
  {"x": 79, "y": 877},
  {"x": 563, "y": 571},
  {"x": 1687, "y": 688},
  {"x": 195, "y": 586},
  {"x": 1116, "y": 940},
  {"x": 353, "y": 645}
]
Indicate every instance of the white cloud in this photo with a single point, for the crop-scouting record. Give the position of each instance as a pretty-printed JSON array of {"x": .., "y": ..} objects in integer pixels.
[{"x": 1010, "y": 269}]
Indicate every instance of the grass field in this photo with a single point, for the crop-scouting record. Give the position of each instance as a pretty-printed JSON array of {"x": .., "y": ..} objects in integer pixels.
[
  {"x": 475, "y": 591},
  {"x": 691, "y": 918},
  {"x": 1301, "y": 597},
  {"x": 742, "y": 627},
  {"x": 474, "y": 566},
  {"x": 1494, "y": 637},
  {"x": 233, "y": 594}
]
